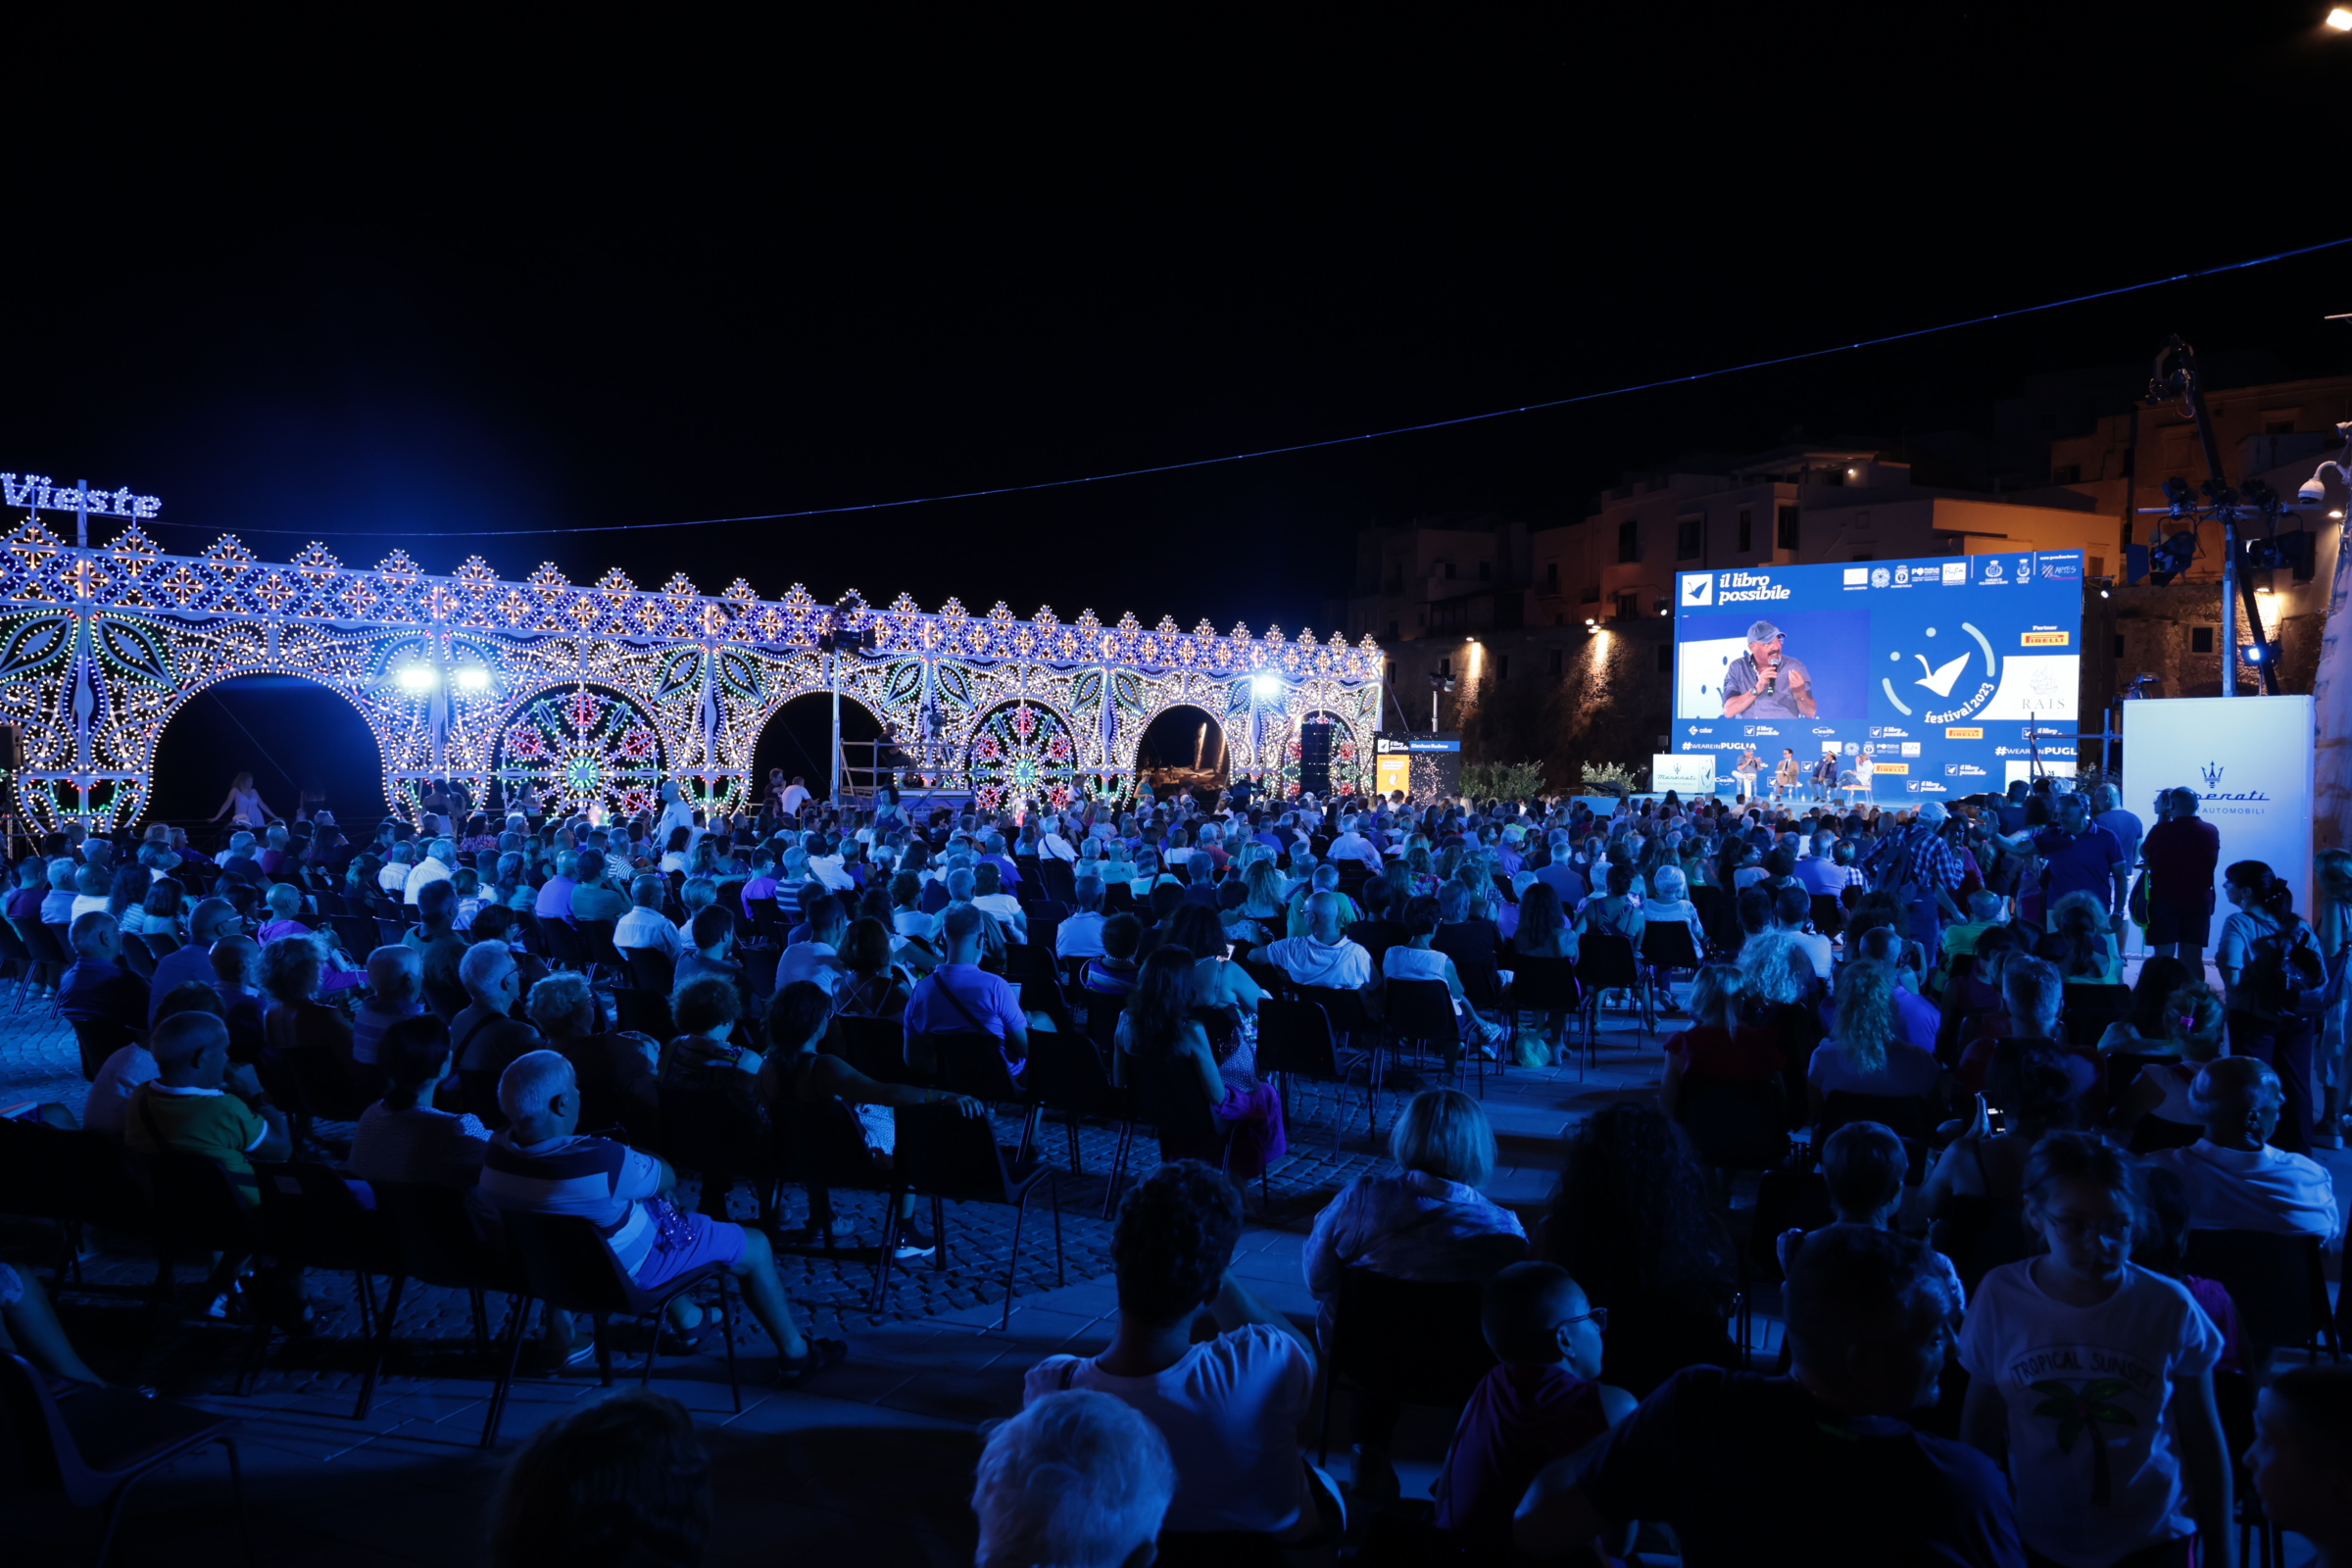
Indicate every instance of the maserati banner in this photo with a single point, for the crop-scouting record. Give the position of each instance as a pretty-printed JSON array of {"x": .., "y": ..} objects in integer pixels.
[{"x": 2250, "y": 759}]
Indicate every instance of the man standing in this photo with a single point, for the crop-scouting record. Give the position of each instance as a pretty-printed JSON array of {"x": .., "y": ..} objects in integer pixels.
[
  {"x": 796, "y": 796},
  {"x": 1763, "y": 683},
  {"x": 2181, "y": 853},
  {"x": 2108, "y": 812},
  {"x": 1920, "y": 870},
  {"x": 2081, "y": 856}
]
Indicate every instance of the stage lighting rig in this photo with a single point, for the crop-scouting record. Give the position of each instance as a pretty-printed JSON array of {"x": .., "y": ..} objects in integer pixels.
[{"x": 2175, "y": 376}]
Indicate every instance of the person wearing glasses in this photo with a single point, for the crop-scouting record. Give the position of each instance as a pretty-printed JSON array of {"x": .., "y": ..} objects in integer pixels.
[{"x": 1544, "y": 1401}]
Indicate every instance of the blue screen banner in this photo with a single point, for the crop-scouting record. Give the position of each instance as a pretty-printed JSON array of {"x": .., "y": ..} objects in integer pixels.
[{"x": 1945, "y": 676}]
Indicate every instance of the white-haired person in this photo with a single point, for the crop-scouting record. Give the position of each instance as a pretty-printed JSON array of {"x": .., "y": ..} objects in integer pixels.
[
  {"x": 486, "y": 1036},
  {"x": 395, "y": 986},
  {"x": 540, "y": 1164},
  {"x": 1077, "y": 1480},
  {"x": 1424, "y": 1221}
]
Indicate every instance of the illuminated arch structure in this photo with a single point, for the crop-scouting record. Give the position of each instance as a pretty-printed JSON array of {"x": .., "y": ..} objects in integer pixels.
[{"x": 597, "y": 694}]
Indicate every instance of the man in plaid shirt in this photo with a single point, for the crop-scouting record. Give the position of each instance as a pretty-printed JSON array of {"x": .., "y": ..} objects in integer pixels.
[{"x": 1920, "y": 870}]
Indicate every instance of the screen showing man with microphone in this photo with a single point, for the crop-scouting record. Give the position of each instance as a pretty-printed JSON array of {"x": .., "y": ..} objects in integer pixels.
[{"x": 1765, "y": 683}]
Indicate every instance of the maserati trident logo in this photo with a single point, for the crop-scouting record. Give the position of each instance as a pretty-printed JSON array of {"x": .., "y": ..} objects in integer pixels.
[{"x": 2212, "y": 772}]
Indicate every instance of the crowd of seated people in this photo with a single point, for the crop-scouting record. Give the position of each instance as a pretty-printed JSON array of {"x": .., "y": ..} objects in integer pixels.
[{"x": 1926, "y": 1003}]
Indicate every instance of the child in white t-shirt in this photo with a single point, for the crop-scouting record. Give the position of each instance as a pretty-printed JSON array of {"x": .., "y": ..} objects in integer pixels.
[
  {"x": 1230, "y": 1406},
  {"x": 2096, "y": 1376}
]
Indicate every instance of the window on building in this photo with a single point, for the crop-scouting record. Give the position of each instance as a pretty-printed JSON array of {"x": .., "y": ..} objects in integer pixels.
[
  {"x": 1686, "y": 535},
  {"x": 1486, "y": 571},
  {"x": 2119, "y": 645},
  {"x": 1629, "y": 540},
  {"x": 1446, "y": 668},
  {"x": 1785, "y": 537},
  {"x": 2067, "y": 474},
  {"x": 1558, "y": 660},
  {"x": 1551, "y": 576},
  {"x": 2099, "y": 565},
  {"x": 1446, "y": 569},
  {"x": 1747, "y": 529},
  {"x": 1665, "y": 658},
  {"x": 2200, "y": 639},
  {"x": 1453, "y": 614},
  {"x": 1502, "y": 667},
  {"x": 1628, "y": 605},
  {"x": 1590, "y": 595}
]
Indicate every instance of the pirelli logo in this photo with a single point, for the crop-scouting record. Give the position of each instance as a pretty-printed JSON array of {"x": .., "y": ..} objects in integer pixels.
[
  {"x": 1893, "y": 767},
  {"x": 2046, "y": 639},
  {"x": 1964, "y": 732}
]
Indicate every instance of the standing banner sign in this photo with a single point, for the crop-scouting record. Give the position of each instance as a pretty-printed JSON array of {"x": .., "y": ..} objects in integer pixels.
[
  {"x": 1691, "y": 773},
  {"x": 2250, "y": 759}
]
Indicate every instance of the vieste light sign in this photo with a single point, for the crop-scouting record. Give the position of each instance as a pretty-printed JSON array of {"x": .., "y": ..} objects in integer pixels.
[{"x": 37, "y": 492}]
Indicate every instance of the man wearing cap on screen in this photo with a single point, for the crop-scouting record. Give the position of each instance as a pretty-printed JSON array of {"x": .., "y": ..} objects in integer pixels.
[{"x": 1762, "y": 684}]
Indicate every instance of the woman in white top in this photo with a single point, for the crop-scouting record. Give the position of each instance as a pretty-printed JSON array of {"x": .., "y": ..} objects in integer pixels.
[
  {"x": 1417, "y": 958},
  {"x": 244, "y": 801}
]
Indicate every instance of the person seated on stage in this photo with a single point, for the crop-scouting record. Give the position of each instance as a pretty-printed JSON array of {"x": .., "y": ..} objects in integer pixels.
[
  {"x": 396, "y": 991},
  {"x": 539, "y": 1164},
  {"x": 2233, "y": 1178},
  {"x": 1230, "y": 1407},
  {"x": 1324, "y": 957},
  {"x": 97, "y": 988},
  {"x": 961, "y": 998},
  {"x": 1080, "y": 1479},
  {"x": 401, "y": 1137},
  {"x": 1542, "y": 1402}
]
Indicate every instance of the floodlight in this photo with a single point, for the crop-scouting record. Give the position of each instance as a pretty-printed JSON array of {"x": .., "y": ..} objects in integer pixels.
[
  {"x": 1266, "y": 685},
  {"x": 2178, "y": 495},
  {"x": 414, "y": 679},
  {"x": 2169, "y": 558},
  {"x": 2340, "y": 19},
  {"x": 473, "y": 679}
]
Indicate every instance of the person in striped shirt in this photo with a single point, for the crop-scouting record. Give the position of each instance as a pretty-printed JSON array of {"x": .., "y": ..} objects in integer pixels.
[{"x": 539, "y": 1164}]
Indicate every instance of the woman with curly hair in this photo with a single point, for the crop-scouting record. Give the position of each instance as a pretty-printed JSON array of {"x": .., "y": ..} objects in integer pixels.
[
  {"x": 1870, "y": 1055},
  {"x": 293, "y": 967},
  {"x": 1632, "y": 1222}
]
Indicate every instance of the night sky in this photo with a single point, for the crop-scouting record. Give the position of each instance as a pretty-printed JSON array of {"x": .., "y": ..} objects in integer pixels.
[{"x": 448, "y": 286}]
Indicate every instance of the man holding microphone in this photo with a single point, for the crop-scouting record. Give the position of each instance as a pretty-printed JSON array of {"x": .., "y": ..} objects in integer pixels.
[{"x": 1762, "y": 683}]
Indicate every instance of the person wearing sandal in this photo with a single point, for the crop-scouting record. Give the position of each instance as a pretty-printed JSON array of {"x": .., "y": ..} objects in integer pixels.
[{"x": 539, "y": 1164}]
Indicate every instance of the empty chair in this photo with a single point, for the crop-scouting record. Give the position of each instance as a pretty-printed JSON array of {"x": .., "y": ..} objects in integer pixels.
[
  {"x": 1409, "y": 1342},
  {"x": 1422, "y": 1011},
  {"x": 1065, "y": 1073},
  {"x": 1607, "y": 964},
  {"x": 652, "y": 969},
  {"x": 1298, "y": 1040},
  {"x": 942, "y": 1154},
  {"x": 93, "y": 1449},
  {"x": 1733, "y": 1125},
  {"x": 312, "y": 1216}
]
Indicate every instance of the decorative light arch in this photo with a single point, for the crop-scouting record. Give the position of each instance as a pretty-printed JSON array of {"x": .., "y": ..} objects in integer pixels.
[{"x": 100, "y": 647}]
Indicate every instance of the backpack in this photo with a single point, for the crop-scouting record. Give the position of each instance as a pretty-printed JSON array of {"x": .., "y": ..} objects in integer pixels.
[{"x": 2284, "y": 977}]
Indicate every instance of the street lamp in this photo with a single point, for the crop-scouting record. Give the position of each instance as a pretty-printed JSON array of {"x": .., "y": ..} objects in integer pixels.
[{"x": 1438, "y": 681}]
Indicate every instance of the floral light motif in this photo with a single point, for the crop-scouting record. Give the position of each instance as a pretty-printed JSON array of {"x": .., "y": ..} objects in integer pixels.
[
  {"x": 1023, "y": 756},
  {"x": 582, "y": 749}
]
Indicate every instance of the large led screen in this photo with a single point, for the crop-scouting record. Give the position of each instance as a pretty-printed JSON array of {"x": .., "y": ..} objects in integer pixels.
[{"x": 1948, "y": 674}]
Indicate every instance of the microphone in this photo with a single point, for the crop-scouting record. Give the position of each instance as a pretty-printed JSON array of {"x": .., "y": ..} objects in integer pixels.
[{"x": 1771, "y": 672}]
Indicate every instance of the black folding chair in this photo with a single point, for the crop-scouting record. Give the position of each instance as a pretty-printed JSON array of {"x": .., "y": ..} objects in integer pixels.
[
  {"x": 1065, "y": 1074},
  {"x": 1421, "y": 1012},
  {"x": 942, "y": 1154},
  {"x": 311, "y": 1216},
  {"x": 1734, "y": 1126},
  {"x": 1666, "y": 948},
  {"x": 135, "y": 956},
  {"x": 564, "y": 949},
  {"x": 1296, "y": 1040},
  {"x": 1412, "y": 1341},
  {"x": 1547, "y": 986},
  {"x": 98, "y": 1039},
  {"x": 1911, "y": 1117},
  {"x": 1607, "y": 964},
  {"x": 1169, "y": 1101},
  {"x": 645, "y": 1012},
  {"x": 652, "y": 969},
  {"x": 2087, "y": 1009},
  {"x": 567, "y": 1265},
  {"x": 94, "y": 1447},
  {"x": 444, "y": 1237}
]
